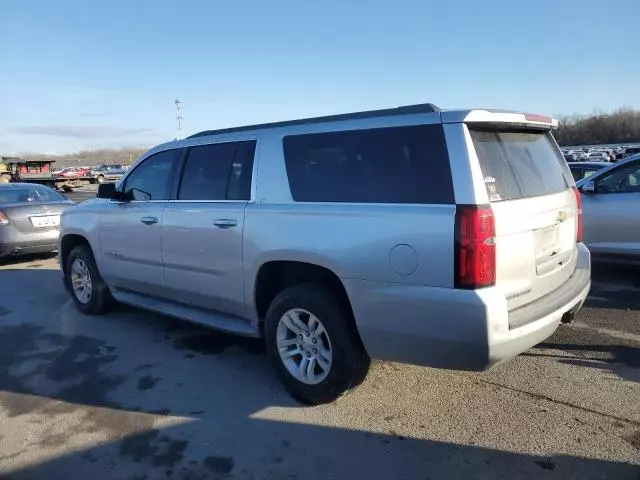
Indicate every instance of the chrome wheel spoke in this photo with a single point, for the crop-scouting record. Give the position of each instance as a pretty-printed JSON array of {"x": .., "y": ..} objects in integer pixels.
[
  {"x": 302, "y": 367},
  {"x": 291, "y": 324},
  {"x": 298, "y": 322},
  {"x": 311, "y": 369},
  {"x": 286, "y": 342},
  {"x": 290, "y": 353},
  {"x": 323, "y": 363}
]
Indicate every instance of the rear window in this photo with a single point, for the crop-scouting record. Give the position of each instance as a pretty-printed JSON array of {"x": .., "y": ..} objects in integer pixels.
[
  {"x": 519, "y": 164},
  {"x": 384, "y": 165},
  {"x": 35, "y": 193}
]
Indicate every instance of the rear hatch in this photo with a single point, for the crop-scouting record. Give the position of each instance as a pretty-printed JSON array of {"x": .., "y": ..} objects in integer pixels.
[{"x": 531, "y": 192}]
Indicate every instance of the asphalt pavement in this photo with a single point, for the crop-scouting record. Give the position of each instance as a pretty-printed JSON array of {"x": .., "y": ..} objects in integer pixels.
[{"x": 135, "y": 395}]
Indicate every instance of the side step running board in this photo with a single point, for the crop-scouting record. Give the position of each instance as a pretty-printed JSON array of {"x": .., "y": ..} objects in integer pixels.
[{"x": 228, "y": 324}]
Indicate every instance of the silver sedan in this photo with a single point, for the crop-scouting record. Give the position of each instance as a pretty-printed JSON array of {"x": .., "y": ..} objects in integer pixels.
[
  {"x": 611, "y": 211},
  {"x": 29, "y": 218}
]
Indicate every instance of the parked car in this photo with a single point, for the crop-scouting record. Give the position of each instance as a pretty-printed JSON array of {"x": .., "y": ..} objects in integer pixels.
[
  {"x": 29, "y": 218},
  {"x": 570, "y": 157},
  {"x": 107, "y": 173},
  {"x": 630, "y": 151},
  {"x": 611, "y": 211},
  {"x": 439, "y": 238},
  {"x": 67, "y": 172},
  {"x": 581, "y": 170},
  {"x": 596, "y": 157}
]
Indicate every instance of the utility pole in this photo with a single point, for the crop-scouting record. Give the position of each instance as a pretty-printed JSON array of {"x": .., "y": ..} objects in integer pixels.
[{"x": 179, "y": 117}]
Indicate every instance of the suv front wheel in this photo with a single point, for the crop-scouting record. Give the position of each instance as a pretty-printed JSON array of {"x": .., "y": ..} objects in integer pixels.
[
  {"x": 89, "y": 292},
  {"x": 312, "y": 341}
]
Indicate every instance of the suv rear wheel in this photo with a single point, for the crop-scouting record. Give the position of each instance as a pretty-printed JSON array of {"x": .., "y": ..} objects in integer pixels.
[
  {"x": 89, "y": 292},
  {"x": 312, "y": 341}
]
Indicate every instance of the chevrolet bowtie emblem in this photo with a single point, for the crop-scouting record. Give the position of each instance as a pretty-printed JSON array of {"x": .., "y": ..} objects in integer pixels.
[{"x": 562, "y": 216}]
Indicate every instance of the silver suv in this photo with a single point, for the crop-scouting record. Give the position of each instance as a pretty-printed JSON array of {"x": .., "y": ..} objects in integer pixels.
[{"x": 440, "y": 238}]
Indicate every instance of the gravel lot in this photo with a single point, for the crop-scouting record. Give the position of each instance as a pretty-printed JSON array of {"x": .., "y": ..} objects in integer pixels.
[{"x": 134, "y": 395}]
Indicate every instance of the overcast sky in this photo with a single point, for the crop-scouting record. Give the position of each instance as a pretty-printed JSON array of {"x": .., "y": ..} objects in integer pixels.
[{"x": 91, "y": 74}]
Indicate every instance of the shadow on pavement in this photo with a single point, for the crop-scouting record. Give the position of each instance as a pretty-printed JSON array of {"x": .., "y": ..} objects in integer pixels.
[
  {"x": 231, "y": 419},
  {"x": 614, "y": 286},
  {"x": 16, "y": 261},
  {"x": 621, "y": 360},
  {"x": 227, "y": 432}
]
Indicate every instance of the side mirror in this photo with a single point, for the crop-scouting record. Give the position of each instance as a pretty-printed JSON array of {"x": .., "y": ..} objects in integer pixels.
[
  {"x": 589, "y": 187},
  {"x": 108, "y": 190}
]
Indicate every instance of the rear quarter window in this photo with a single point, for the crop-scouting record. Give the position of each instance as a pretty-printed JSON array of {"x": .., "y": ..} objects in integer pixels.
[
  {"x": 519, "y": 164},
  {"x": 383, "y": 165}
]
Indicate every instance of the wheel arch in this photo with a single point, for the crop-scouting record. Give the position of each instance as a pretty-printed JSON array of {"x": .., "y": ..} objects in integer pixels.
[{"x": 274, "y": 276}]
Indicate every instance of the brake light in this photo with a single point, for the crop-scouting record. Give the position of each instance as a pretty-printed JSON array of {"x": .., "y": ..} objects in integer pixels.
[
  {"x": 532, "y": 117},
  {"x": 578, "y": 214},
  {"x": 475, "y": 246},
  {"x": 4, "y": 220}
]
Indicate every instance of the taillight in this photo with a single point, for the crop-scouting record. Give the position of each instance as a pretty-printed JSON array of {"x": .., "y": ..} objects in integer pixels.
[
  {"x": 4, "y": 220},
  {"x": 475, "y": 246},
  {"x": 578, "y": 214}
]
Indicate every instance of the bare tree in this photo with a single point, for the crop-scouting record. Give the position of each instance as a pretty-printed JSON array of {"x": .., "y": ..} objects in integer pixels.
[{"x": 620, "y": 126}]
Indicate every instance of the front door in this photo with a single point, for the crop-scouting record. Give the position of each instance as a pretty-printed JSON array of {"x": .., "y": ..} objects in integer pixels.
[
  {"x": 203, "y": 227},
  {"x": 611, "y": 214},
  {"x": 131, "y": 230}
]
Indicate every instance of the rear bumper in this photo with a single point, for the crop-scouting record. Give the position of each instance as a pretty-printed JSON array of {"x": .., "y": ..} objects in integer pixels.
[
  {"x": 12, "y": 240},
  {"x": 458, "y": 329}
]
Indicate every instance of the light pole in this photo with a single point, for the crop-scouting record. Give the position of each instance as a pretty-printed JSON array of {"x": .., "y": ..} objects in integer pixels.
[{"x": 179, "y": 117}]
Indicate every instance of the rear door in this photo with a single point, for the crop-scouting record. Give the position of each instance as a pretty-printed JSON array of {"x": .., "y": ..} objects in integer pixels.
[
  {"x": 529, "y": 187},
  {"x": 203, "y": 227}
]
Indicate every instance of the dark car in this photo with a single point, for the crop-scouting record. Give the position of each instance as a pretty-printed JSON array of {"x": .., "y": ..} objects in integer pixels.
[
  {"x": 581, "y": 170},
  {"x": 631, "y": 151},
  {"x": 29, "y": 218}
]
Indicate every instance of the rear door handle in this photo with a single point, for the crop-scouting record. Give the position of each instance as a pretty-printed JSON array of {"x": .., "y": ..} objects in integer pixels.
[
  {"x": 225, "y": 222},
  {"x": 149, "y": 220}
]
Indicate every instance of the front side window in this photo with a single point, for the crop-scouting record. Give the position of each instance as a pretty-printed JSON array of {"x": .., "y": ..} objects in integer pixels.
[
  {"x": 384, "y": 165},
  {"x": 150, "y": 179},
  {"x": 625, "y": 179}
]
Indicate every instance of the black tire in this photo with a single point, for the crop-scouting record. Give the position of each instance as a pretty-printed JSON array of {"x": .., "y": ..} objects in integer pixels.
[
  {"x": 101, "y": 300},
  {"x": 350, "y": 362}
]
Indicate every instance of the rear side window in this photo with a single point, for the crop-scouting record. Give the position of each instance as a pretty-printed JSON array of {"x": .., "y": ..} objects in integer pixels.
[
  {"x": 519, "y": 164},
  {"x": 220, "y": 171},
  {"x": 383, "y": 165}
]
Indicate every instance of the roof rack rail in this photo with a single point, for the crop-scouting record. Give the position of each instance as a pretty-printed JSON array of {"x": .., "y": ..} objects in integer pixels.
[{"x": 405, "y": 110}]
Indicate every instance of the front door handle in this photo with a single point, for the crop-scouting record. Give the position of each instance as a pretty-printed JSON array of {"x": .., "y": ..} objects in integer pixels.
[
  {"x": 225, "y": 222},
  {"x": 149, "y": 220}
]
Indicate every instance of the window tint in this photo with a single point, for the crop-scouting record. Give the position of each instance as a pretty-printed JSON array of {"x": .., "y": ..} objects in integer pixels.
[
  {"x": 519, "y": 164},
  {"x": 385, "y": 165},
  {"x": 239, "y": 187},
  {"x": 220, "y": 171},
  {"x": 625, "y": 179},
  {"x": 206, "y": 172},
  {"x": 150, "y": 179}
]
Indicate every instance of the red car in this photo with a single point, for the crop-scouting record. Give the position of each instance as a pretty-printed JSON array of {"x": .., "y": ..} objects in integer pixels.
[{"x": 74, "y": 172}]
